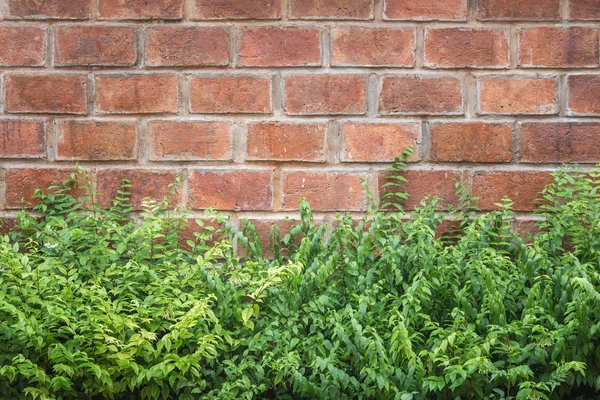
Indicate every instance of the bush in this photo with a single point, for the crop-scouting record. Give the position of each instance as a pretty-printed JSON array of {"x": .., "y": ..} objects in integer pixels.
[{"x": 107, "y": 303}]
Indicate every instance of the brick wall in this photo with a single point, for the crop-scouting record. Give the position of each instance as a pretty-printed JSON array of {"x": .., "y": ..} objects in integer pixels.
[{"x": 256, "y": 103}]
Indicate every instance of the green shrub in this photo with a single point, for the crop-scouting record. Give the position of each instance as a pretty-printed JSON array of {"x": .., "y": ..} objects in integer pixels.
[{"x": 107, "y": 303}]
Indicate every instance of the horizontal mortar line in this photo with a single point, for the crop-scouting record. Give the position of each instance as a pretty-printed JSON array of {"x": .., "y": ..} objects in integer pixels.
[
  {"x": 226, "y": 71},
  {"x": 321, "y": 22},
  {"x": 362, "y": 168},
  {"x": 298, "y": 119}
]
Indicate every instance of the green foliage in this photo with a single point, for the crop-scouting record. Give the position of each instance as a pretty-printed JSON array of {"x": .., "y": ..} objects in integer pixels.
[{"x": 110, "y": 303}]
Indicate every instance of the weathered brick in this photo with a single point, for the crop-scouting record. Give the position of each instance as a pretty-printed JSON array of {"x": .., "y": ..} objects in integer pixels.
[
  {"x": 49, "y": 9},
  {"x": 127, "y": 94},
  {"x": 522, "y": 187},
  {"x": 325, "y": 94},
  {"x": 280, "y": 141},
  {"x": 22, "y": 139},
  {"x": 373, "y": 46},
  {"x": 466, "y": 47},
  {"x": 188, "y": 46},
  {"x": 94, "y": 45},
  {"x": 332, "y": 9},
  {"x": 325, "y": 191},
  {"x": 425, "y": 10},
  {"x": 230, "y": 94},
  {"x": 373, "y": 142},
  {"x": 471, "y": 142},
  {"x": 274, "y": 46},
  {"x": 421, "y": 184},
  {"x": 190, "y": 140},
  {"x": 518, "y": 95},
  {"x": 426, "y": 94},
  {"x": 584, "y": 10},
  {"x": 518, "y": 10},
  {"x": 22, "y": 46},
  {"x": 62, "y": 94},
  {"x": 231, "y": 190},
  {"x": 584, "y": 94},
  {"x": 96, "y": 140},
  {"x": 140, "y": 9},
  {"x": 558, "y": 142},
  {"x": 558, "y": 47},
  {"x": 238, "y": 9},
  {"x": 152, "y": 184},
  {"x": 22, "y": 182}
]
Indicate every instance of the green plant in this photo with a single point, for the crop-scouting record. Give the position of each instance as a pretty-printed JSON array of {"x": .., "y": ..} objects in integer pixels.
[{"x": 106, "y": 303}]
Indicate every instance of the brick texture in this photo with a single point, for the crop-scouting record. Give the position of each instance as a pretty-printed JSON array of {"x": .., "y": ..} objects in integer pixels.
[
  {"x": 22, "y": 46},
  {"x": 548, "y": 142},
  {"x": 558, "y": 47},
  {"x": 49, "y": 9},
  {"x": 94, "y": 46},
  {"x": 515, "y": 10},
  {"x": 421, "y": 95},
  {"x": 352, "y": 46},
  {"x": 255, "y": 104},
  {"x": 471, "y": 142},
  {"x": 284, "y": 141},
  {"x": 22, "y": 139},
  {"x": 237, "y": 9},
  {"x": 331, "y": 9},
  {"x": 187, "y": 140},
  {"x": 96, "y": 140},
  {"x": 460, "y": 48},
  {"x": 518, "y": 95},
  {"x": 187, "y": 46},
  {"x": 279, "y": 47},
  {"x": 423, "y": 10}
]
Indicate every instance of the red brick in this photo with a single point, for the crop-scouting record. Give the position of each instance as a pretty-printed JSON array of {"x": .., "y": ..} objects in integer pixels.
[
  {"x": 140, "y": 9},
  {"x": 279, "y": 47},
  {"x": 424, "y": 10},
  {"x": 238, "y": 9},
  {"x": 231, "y": 190},
  {"x": 332, "y": 9},
  {"x": 558, "y": 142},
  {"x": 93, "y": 45},
  {"x": 190, "y": 140},
  {"x": 421, "y": 184},
  {"x": 558, "y": 47},
  {"x": 325, "y": 191},
  {"x": 373, "y": 46},
  {"x": 187, "y": 46},
  {"x": 372, "y": 142},
  {"x": 412, "y": 94},
  {"x": 22, "y": 182},
  {"x": 96, "y": 140},
  {"x": 527, "y": 227},
  {"x": 145, "y": 184},
  {"x": 230, "y": 94},
  {"x": 584, "y": 9},
  {"x": 62, "y": 94},
  {"x": 518, "y": 95},
  {"x": 22, "y": 139},
  {"x": 325, "y": 94},
  {"x": 522, "y": 187},
  {"x": 49, "y": 9},
  {"x": 466, "y": 47},
  {"x": 471, "y": 142},
  {"x": 584, "y": 94},
  {"x": 126, "y": 94},
  {"x": 518, "y": 10},
  {"x": 22, "y": 46},
  {"x": 284, "y": 141}
]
